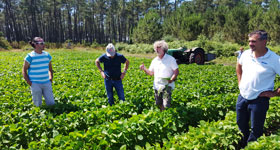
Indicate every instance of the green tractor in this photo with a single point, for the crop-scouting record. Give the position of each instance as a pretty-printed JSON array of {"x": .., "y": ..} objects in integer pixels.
[{"x": 194, "y": 55}]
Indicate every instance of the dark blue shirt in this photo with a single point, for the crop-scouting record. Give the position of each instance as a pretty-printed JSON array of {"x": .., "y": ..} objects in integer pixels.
[{"x": 112, "y": 66}]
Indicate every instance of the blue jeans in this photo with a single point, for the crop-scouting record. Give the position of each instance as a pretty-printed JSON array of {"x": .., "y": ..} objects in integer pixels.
[
  {"x": 38, "y": 90},
  {"x": 117, "y": 84},
  {"x": 256, "y": 111}
]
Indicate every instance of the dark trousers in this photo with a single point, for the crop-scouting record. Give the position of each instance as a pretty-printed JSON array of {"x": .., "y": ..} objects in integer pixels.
[
  {"x": 254, "y": 110},
  {"x": 117, "y": 84}
]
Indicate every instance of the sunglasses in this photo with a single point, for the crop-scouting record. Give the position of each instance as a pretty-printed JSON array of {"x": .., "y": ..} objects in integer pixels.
[{"x": 41, "y": 43}]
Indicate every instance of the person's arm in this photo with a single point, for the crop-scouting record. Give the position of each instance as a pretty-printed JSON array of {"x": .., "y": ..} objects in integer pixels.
[
  {"x": 97, "y": 63},
  {"x": 25, "y": 67},
  {"x": 238, "y": 72},
  {"x": 275, "y": 92},
  {"x": 147, "y": 71},
  {"x": 50, "y": 71},
  {"x": 126, "y": 65},
  {"x": 174, "y": 76},
  {"x": 125, "y": 69},
  {"x": 270, "y": 93}
]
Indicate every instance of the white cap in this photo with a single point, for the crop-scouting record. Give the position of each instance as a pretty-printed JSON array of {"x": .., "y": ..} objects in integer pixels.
[{"x": 110, "y": 50}]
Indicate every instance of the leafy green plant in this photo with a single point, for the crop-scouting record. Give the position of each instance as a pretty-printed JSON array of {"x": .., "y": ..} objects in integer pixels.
[
  {"x": 203, "y": 95},
  {"x": 4, "y": 44}
]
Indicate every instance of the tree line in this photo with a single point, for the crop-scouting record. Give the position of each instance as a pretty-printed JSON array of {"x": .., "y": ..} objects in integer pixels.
[{"x": 137, "y": 21}]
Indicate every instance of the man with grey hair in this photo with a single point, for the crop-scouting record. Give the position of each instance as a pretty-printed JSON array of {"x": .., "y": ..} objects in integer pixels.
[
  {"x": 165, "y": 71},
  {"x": 112, "y": 72},
  {"x": 256, "y": 70}
]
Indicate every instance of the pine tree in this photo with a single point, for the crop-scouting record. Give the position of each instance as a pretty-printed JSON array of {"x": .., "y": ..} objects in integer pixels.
[{"x": 149, "y": 28}]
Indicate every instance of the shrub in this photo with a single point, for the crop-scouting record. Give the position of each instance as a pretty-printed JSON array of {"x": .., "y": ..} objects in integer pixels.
[
  {"x": 53, "y": 45},
  {"x": 134, "y": 48},
  {"x": 176, "y": 44},
  {"x": 85, "y": 43},
  {"x": 95, "y": 45},
  {"x": 169, "y": 38},
  {"x": 18, "y": 45},
  {"x": 4, "y": 44},
  {"x": 120, "y": 46}
]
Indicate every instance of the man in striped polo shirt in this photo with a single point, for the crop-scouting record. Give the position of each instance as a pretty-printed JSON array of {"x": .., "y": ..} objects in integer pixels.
[{"x": 37, "y": 72}]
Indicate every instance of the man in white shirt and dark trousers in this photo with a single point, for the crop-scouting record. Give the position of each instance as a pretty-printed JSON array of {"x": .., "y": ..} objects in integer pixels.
[
  {"x": 165, "y": 71},
  {"x": 256, "y": 70}
]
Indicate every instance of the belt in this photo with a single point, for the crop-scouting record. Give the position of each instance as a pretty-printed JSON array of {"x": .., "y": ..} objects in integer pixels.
[{"x": 109, "y": 78}]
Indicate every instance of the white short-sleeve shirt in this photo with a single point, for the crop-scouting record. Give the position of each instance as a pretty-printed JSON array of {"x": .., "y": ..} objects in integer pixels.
[
  {"x": 258, "y": 74},
  {"x": 163, "y": 69}
]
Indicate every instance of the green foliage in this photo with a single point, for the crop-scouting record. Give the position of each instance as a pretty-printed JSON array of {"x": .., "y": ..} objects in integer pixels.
[
  {"x": 53, "y": 45},
  {"x": 4, "y": 44},
  {"x": 179, "y": 43},
  {"x": 183, "y": 25},
  {"x": 276, "y": 49},
  {"x": 219, "y": 37},
  {"x": 19, "y": 45},
  {"x": 270, "y": 142},
  {"x": 148, "y": 29},
  {"x": 140, "y": 21},
  {"x": 210, "y": 46},
  {"x": 169, "y": 38},
  {"x": 272, "y": 21},
  {"x": 236, "y": 26},
  {"x": 135, "y": 48},
  {"x": 222, "y": 134},
  {"x": 256, "y": 15},
  {"x": 221, "y": 49},
  {"x": 85, "y": 43},
  {"x": 82, "y": 118},
  {"x": 96, "y": 45}
]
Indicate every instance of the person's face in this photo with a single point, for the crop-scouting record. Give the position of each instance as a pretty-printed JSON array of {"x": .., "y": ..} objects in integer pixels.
[
  {"x": 159, "y": 50},
  {"x": 39, "y": 44},
  {"x": 255, "y": 43}
]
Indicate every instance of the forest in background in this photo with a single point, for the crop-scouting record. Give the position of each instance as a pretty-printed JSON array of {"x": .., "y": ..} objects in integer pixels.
[{"x": 137, "y": 21}]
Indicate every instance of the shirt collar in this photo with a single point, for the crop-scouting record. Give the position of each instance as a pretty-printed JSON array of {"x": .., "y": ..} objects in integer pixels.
[{"x": 266, "y": 55}]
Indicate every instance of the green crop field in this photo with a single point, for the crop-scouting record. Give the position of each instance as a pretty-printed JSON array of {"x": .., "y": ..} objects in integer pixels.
[{"x": 202, "y": 115}]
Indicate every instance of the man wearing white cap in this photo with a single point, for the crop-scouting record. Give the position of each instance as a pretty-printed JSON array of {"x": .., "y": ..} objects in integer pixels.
[{"x": 112, "y": 72}]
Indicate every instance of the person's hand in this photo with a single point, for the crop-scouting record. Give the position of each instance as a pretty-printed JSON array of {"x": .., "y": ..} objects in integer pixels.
[
  {"x": 268, "y": 94},
  {"x": 103, "y": 74},
  {"x": 122, "y": 75},
  {"x": 29, "y": 83},
  {"x": 277, "y": 92},
  {"x": 142, "y": 67},
  {"x": 170, "y": 81}
]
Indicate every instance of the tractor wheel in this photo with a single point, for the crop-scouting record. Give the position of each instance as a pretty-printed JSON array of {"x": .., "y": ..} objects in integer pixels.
[{"x": 197, "y": 56}]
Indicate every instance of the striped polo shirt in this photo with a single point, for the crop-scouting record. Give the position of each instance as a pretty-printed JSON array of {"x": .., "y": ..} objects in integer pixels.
[{"x": 38, "y": 71}]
